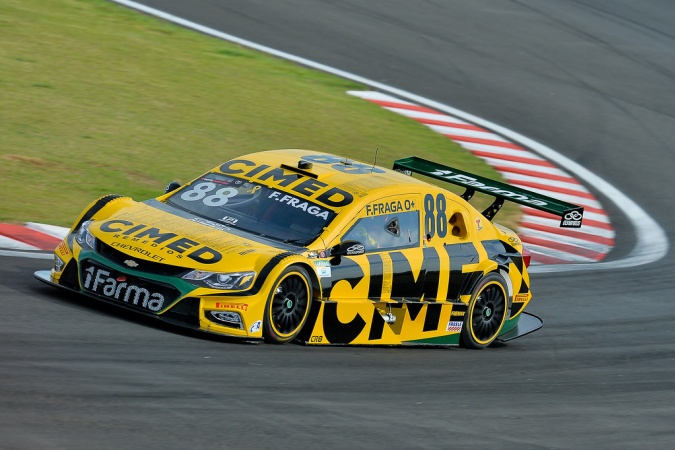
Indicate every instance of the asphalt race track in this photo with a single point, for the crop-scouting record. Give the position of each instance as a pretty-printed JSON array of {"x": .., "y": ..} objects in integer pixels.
[{"x": 593, "y": 79}]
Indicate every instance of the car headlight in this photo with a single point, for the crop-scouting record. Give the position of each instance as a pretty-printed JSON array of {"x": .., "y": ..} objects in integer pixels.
[
  {"x": 58, "y": 263},
  {"x": 84, "y": 236},
  {"x": 215, "y": 280}
]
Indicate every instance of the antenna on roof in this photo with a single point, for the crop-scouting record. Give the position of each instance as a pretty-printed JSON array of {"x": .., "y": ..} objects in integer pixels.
[{"x": 374, "y": 162}]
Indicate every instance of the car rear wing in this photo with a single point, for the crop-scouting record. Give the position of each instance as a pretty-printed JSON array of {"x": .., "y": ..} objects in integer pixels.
[{"x": 571, "y": 215}]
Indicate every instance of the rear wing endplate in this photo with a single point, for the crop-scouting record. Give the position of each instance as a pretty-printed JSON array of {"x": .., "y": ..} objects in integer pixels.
[{"x": 571, "y": 215}]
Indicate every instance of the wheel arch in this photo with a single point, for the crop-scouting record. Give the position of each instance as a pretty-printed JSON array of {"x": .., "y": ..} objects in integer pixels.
[
  {"x": 314, "y": 278},
  {"x": 96, "y": 207},
  {"x": 274, "y": 320},
  {"x": 489, "y": 267},
  {"x": 292, "y": 259},
  {"x": 469, "y": 338}
]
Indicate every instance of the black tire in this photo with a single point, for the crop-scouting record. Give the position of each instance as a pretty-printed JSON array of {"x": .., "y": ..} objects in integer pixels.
[
  {"x": 288, "y": 305},
  {"x": 486, "y": 313}
]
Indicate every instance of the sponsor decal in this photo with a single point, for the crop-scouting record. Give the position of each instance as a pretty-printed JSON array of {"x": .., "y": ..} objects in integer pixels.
[
  {"x": 454, "y": 326},
  {"x": 467, "y": 180},
  {"x": 231, "y": 220},
  {"x": 63, "y": 249},
  {"x": 323, "y": 269},
  {"x": 292, "y": 181},
  {"x": 514, "y": 240},
  {"x": 479, "y": 223},
  {"x": 571, "y": 219},
  {"x": 255, "y": 327},
  {"x": 356, "y": 249},
  {"x": 239, "y": 306},
  {"x": 395, "y": 206},
  {"x": 520, "y": 298},
  {"x": 135, "y": 249},
  {"x": 140, "y": 250},
  {"x": 316, "y": 339},
  {"x": 299, "y": 204},
  {"x": 169, "y": 243},
  {"x": 99, "y": 281},
  {"x": 210, "y": 223},
  {"x": 408, "y": 282}
]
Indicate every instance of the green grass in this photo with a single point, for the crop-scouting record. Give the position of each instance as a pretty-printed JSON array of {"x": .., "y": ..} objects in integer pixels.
[{"x": 97, "y": 99}]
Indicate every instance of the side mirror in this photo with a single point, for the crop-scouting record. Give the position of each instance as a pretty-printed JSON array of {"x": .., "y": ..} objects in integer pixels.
[
  {"x": 171, "y": 187},
  {"x": 348, "y": 248}
]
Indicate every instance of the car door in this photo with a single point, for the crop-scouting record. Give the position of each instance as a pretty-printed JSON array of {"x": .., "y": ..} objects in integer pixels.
[{"x": 393, "y": 265}]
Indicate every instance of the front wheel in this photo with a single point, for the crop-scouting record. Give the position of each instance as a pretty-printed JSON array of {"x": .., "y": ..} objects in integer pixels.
[
  {"x": 288, "y": 305},
  {"x": 486, "y": 313}
]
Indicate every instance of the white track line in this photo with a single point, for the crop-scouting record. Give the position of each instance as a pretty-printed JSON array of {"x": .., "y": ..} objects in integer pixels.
[
  {"x": 12, "y": 244},
  {"x": 25, "y": 254},
  {"x": 51, "y": 230}
]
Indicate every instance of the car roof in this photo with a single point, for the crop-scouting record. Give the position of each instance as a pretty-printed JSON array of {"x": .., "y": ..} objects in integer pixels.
[{"x": 339, "y": 171}]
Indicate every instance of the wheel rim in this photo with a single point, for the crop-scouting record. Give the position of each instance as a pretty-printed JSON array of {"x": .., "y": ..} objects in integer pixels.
[
  {"x": 488, "y": 313},
  {"x": 289, "y": 305}
]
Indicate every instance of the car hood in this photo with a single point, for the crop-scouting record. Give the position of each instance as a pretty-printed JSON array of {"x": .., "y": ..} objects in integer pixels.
[{"x": 162, "y": 234}]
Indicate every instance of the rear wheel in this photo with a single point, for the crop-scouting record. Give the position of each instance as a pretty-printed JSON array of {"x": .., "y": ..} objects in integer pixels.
[
  {"x": 486, "y": 313},
  {"x": 288, "y": 305}
]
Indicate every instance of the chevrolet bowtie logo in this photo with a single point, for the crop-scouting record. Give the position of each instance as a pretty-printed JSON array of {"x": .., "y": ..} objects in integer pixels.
[{"x": 131, "y": 263}]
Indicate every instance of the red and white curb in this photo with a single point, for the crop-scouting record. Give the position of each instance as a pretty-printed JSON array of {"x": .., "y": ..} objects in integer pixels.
[
  {"x": 29, "y": 238},
  {"x": 521, "y": 167}
]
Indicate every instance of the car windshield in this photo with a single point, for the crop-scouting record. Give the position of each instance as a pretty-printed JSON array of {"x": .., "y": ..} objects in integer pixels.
[{"x": 253, "y": 207}]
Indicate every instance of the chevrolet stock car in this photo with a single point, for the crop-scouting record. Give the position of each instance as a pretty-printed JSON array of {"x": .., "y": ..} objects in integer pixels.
[{"x": 301, "y": 245}]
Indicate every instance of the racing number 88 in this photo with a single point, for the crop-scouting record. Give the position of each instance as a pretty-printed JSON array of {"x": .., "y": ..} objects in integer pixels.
[
  {"x": 435, "y": 218},
  {"x": 198, "y": 192}
]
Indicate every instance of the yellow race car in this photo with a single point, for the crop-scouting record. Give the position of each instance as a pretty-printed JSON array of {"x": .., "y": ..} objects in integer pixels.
[{"x": 302, "y": 245}]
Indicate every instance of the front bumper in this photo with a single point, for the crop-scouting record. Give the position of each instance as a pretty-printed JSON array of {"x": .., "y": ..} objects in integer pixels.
[{"x": 186, "y": 312}]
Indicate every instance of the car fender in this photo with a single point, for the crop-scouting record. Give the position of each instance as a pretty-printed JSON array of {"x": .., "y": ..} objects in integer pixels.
[{"x": 102, "y": 207}]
